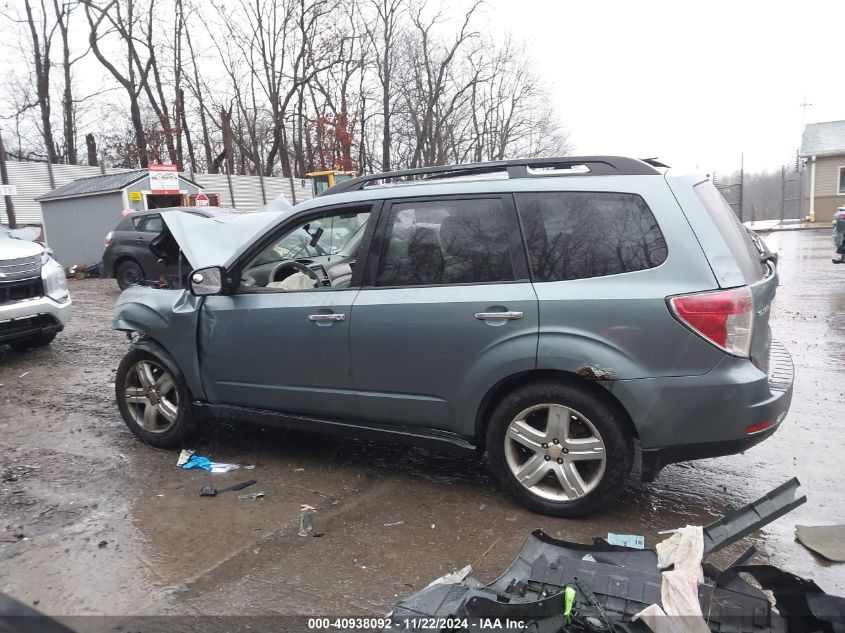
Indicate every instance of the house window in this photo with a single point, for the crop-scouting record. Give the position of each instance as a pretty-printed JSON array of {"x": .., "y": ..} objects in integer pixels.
[{"x": 842, "y": 181}]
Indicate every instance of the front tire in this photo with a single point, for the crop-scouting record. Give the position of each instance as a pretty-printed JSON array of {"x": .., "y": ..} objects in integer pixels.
[
  {"x": 153, "y": 399},
  {"x": 559, "y": 448}
]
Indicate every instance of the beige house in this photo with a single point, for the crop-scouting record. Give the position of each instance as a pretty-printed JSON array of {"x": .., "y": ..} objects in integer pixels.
[{"x": 823, "y": 146}]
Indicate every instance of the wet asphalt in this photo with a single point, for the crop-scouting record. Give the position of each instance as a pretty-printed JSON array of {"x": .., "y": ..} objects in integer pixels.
[{"x": 94, "y": 522}]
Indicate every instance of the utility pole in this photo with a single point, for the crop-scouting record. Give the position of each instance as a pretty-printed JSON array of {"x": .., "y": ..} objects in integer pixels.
[
  {"x": 782, "y": 192},
  {"x": 799, "y": 165},
  {"x": 741, "y": 183},
  {"x": 804, "y": 107},
  {"x": 4, "y": 179}
]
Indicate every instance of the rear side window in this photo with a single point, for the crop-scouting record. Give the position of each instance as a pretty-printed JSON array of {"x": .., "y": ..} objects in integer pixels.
[
  {"x": 449, "y": 242},
  {"x": 150, "y": 224},
  {"x": 577, "y": 235},
  {"x": 735, "y": 235}
]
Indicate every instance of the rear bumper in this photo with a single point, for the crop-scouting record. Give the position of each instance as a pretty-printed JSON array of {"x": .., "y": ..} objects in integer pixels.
[
  {"x": 723, "y": 412},
  {"x": 23, "y": 319}
]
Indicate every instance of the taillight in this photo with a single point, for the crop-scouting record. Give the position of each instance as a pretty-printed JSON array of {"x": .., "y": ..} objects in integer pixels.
[
  {"x": 723, "y": 317},
  {"x": 756, "y": 428},
  {"x": 109, "y": 238}
]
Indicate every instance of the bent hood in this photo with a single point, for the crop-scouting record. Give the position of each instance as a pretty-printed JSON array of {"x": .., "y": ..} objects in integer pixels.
[{"x": 215, "y": 241}]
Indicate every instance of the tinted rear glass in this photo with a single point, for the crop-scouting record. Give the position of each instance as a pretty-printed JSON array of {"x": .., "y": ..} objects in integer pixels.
[
  {"x": 734, "y": 234},
  {"x": 449, "y": 242},
  {"x": 576, "y": 235}
]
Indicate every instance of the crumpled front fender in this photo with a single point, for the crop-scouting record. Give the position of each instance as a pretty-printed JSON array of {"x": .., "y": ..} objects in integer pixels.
[{"x": 169, "y": 317}]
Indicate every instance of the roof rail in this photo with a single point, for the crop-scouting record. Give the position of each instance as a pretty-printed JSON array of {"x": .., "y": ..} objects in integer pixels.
[{"x": 520, "y": 168}]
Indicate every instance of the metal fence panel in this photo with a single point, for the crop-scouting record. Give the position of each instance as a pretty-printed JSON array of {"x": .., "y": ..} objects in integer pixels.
[{"x": 32, "y": 180}]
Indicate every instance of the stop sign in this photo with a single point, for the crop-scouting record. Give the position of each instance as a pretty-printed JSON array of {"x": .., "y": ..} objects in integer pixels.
[{"x": 201, "y": 200}]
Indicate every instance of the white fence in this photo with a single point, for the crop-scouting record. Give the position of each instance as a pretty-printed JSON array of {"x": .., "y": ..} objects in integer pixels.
[{"x": 32, "y": 180}]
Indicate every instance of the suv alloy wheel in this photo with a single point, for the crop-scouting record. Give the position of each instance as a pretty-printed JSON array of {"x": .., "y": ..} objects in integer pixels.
[{"x": 559, "y": 449}]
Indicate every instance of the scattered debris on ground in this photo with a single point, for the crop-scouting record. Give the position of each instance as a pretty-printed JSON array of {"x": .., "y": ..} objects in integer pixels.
[
  {"x": 211, "y": 491},
  {"x": 204, "y": 463},
  {"x": 554, "y": 585},
  {"x": 626, "y": 540},
  {"x": 826, "y": 540},
  {"x": 249, "y": 496},
  {"x": 306, "y": 520},
  {"x": 184, "y": 457}
]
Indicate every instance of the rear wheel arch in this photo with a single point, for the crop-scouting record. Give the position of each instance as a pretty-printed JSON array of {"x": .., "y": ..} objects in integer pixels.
[{"x": 507, "y": 385}]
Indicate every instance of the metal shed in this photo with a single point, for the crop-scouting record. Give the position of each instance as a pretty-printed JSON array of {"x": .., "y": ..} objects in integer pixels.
[{"x": 78, "y": 215}]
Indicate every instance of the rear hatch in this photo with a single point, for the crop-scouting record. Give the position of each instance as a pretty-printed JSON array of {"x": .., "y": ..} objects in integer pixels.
[{"x": 739, "y": 257}]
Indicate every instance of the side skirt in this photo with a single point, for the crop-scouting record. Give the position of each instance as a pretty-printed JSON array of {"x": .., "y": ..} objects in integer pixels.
[{"x": 440, "y": 441}]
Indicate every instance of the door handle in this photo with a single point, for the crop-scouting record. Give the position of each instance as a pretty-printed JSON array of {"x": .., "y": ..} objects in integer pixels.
[
  {"x": 326, "y": 317},
  {"x": 508, "y": 316}
]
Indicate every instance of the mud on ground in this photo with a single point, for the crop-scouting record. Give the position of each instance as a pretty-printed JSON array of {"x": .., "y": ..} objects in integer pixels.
[{"x": 94, "y": 522}]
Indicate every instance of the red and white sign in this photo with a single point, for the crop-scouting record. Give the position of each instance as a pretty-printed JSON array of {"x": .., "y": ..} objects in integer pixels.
[
  {"x": 164, "y": 178},
  {"x": 201, "y": 200}
]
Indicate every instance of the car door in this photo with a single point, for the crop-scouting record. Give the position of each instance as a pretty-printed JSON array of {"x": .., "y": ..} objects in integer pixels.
[
  {"x": 448, "y": 310},
  {"x": 281, "y": 350},
  {"x": 147, "y": 227}
]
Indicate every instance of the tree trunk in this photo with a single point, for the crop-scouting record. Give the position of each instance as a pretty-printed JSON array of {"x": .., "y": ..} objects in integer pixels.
[
  {"x": 67, "y": 104},
  {"x": 41, "y": 63},
  {"x": 140, "y": 135},
  {"x": 4, "y": 179},
  {"x": 191, "y": 155},
  {"x": 62, "y": 19},
  {"x": 91, "y": 145},
  {"x": 385, "y": 104}
]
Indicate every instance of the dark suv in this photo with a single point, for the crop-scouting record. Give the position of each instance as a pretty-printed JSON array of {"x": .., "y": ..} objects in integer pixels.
[
  {"x": 128, "y": 258},
  {"x": 555, "y": 314}
]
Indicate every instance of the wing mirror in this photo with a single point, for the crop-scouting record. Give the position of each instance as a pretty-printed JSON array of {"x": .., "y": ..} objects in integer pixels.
[{"x": 207, "y": 281}]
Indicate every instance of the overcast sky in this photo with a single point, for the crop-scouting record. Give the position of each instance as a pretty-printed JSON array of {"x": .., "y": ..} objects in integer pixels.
[{"x": 694, "y": 83}]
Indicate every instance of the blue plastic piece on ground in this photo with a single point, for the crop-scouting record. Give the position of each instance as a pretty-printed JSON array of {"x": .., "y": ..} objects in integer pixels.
[
  {"x": 626, "y": 540},
  {"x": 197, "y": 462}
]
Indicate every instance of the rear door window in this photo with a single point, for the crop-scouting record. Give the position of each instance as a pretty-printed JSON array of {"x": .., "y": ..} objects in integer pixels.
[
  {"x": 736, "y": 236},
  {"x": 450, "y": 242},
  {"x": 150, "y": 224},
  {"x": 578, "y": 235}
]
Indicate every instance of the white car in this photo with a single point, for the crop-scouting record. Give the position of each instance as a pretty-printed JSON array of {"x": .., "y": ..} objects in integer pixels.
[{"x": 35, "y": 303}]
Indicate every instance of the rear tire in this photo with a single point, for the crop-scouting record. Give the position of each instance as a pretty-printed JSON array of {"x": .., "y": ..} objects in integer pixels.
[
  {"x": 129, "y": 273},
  {"x": 560, "y": 449},
  {"x": 39, "y": 340},
  {"x": 153, "y": 398}
]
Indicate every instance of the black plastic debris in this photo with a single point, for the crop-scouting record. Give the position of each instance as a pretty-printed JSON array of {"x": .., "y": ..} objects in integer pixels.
[
  {"x": 613, "y": 583},
  {"x": 211, "y": 491}
]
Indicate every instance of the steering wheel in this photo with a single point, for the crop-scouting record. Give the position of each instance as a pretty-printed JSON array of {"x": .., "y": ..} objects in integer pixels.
[{"x": 296, "y": 266}]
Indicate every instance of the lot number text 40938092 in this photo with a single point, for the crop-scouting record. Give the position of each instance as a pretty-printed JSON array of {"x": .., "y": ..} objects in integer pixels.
[{"x": 416, "y": 623}]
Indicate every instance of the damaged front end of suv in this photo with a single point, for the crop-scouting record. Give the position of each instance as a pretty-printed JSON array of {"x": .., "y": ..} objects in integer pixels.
[{"x": 159, "y": 378}]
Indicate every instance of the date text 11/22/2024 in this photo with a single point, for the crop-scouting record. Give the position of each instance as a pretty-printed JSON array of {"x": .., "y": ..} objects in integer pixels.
[{"x": 421, "y": 623}]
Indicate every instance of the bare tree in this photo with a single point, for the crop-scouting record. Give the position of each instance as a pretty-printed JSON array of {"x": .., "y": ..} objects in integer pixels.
[
  {"x": 62, "y": 10},
  {"x": 280, "y": 87},
  {"x": 132, "y": 82},
  {"x": 40, "y": 33},
  {"x": 197, "y": 90},
  {"x": 384, "y": 34},
  {"x": 434, "y": 91}
]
